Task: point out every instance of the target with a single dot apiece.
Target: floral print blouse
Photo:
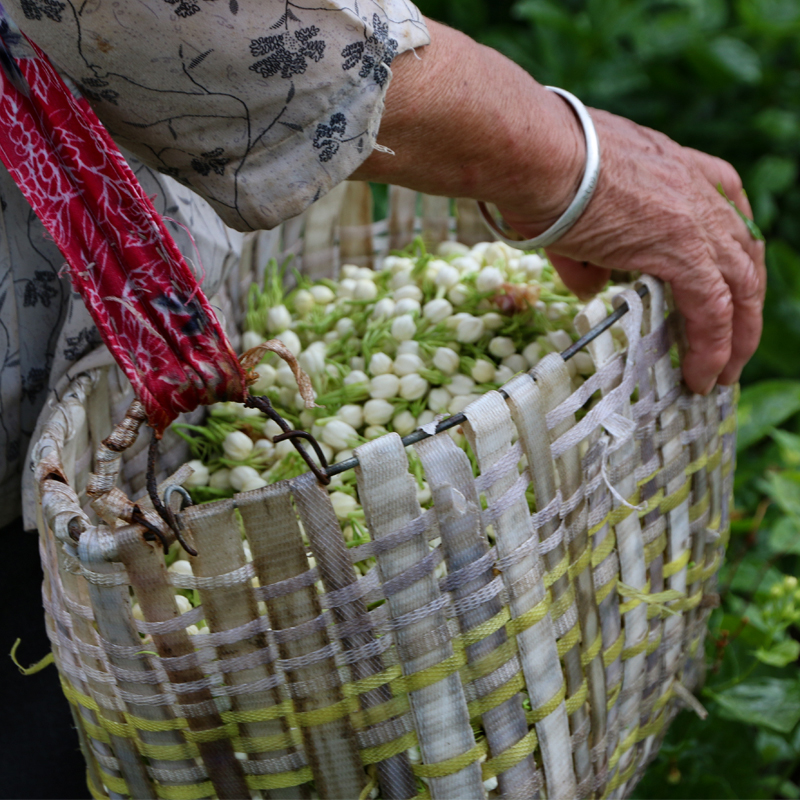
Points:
(259, 107)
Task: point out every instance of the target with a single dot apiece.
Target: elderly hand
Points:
(464, 121)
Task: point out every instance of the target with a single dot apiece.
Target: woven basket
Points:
(551, 655)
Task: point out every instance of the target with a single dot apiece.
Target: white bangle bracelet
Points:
(500, 228)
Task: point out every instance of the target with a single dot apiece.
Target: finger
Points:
(705, 301)
(719, 172)
(747, 284)
(581, 277)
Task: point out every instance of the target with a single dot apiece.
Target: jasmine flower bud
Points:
(322, 294)
(469, 329)
(383, 387)
(448, 249)
(380, 364)
(408, 346)
(303, 302)
(492, 321)
(241, 475)
(339, 435)
(292, 341)
(560, 340)
(251, 339)
(446, 360)
(278, 319)
(438, 400)
(490, 279)
(407, 363)
(221, 479)
(403, 423)
(437, 310)
(365, 290)
(199, 476)
(532, 354)
(409, 292)
(237, 446)
(344, 326)
(352, 414)
(413, 386)
(483, 371)
(266, 378)
(384, 308)
(404, 328)
(374, 431)
(501, 347)
(460, 384)
(447, 276)
(515, 362)
(465, 264)
(343, 504)
(407, 305)
(346, 289)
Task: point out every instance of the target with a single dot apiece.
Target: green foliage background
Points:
(724, 77)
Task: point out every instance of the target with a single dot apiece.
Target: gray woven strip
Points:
(479, 597)
(104, 579)
(405, 579)
(369, 650)
(302, 630)
(413, 528)
(403, 621)
(513, 495)
(508, 463)
(354, 591)
(549, 512)
(271, 766)
(234, 578)
(176, 776)
(386, 731)
(179, 623)
(288, 585)
(455, 580)
(307, 659)
(603, 377)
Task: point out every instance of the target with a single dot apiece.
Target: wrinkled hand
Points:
(657, 209)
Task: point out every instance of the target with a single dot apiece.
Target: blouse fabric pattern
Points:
(259, 107)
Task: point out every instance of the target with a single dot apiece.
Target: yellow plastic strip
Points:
(613, 696)
(603, 550)
(486, 628)
(677, 564)
(279, 711)
(538, 714)
(212, 734)
(156, 725)
(728, 425)
(450, 766)
(430, 675)
(371, 682)
(591, 652)
(613, 652)
(93, 790)
(558, 571)
(696, 465)
(560, 606)
(537, 613)
(569, 640)
(114, 784)
(490, 662)
(655, 548)
(193, 791)
(639, 647)
(510, 757)
(372, 716)
(280, 780)
(580, 563)
(168, 752)
(263, 744)
(575, 701)
(700, 507)
(605, 590)
(372, 755)
(320, 716)
(496, 697)
(95, 731)
(33, 668)
(671, 502)
(652, 503)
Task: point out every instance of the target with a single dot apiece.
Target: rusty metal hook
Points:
(163, 511)
(263, 404)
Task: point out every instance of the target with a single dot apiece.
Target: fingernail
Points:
(708, 387)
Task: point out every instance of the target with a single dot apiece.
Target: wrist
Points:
(465, 121)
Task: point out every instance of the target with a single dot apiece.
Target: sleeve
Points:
(259, 106)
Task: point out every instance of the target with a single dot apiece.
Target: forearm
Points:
(465, 121)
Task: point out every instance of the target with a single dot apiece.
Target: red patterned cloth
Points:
(143, 297)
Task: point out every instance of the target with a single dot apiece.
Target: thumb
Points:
(581, 277)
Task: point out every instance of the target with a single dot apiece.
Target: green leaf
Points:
(736, 58)
(789, 444)
(784, 538)
(772, 703)
(784, 488)
(764, 406)
(781, 654)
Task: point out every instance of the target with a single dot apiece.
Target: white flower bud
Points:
(266, 378)
(184, 606)
(503, 374)
(448, 249)
(446, 360)
(282, 449)
(343, 504)
(365, 290)
(460, 384)
(349, 271)
(447, 276)
(413, 386)
(407, 363)
(322, 294)
(479, 249)
(557, 310)
(383, 387)
(285, 377)
(483, 371)
(271, 429)
(180, 567)
(200, 475)
(402, 278)
(437, 310)
(425, 417)
(251, 339)
(342, 455)
(458, 295)
(397, 263)
(424, 496)
(292, 341)
(263, 450)
(403, 423)
(408, 305)
(515, 362)
(356, 376)
(490, 279)
(278, 319)
(380, 364)
(237, 446)
(327, 451)
(365, 274)
(583, 363)
(243, 412)
(344, 326)
(532, 354)
(532, 266)
(356, 362)
(312, 359)
(409, 292)
(378, 412)
(374, 431)
(252, 484)
(493, 321)
(560, 340)
(469, 329)
(490, 784)
(465, 264)
(352, 414)
(330, 337)
(241, 475)
(137, 612)
(438, 400)
(286, 397)
(303, 301)
(346, 289)
(221, 479)
(404, 328)
(460, 402)
(226, 409)
(502, 346)
(339, 435)
(408, 347)
(384, 308)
